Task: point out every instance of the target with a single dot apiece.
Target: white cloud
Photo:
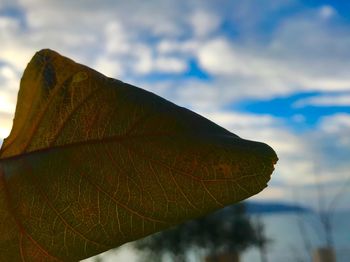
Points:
(327, 11)
(324, 100)
(9, 80)
(170, 64)
(6, 105)
(6, 123)
(271, 193)
(7, 108)
(117, 38)
(284, 63)
(8, 73)
(204, 23)
(336, 124)
(144, 59)
(174, 46)
(271, 70)
(125, 253)
(4, 131)
(222, 57)
(124, 52)
(8, 23)
(109, 67)
(330, 147)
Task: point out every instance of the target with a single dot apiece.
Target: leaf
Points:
(92, 163)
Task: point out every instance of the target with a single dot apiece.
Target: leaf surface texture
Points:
(92, 163)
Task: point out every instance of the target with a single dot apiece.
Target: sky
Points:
(275, 71)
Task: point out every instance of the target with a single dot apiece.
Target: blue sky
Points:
(298, 110)
(276, 72)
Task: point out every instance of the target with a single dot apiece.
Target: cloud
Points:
(337, 127)
(118, 37)
(8, 23)
(327, 11)
(7, 106)
(285, 65)
(109, 67)
(335, 123)
(6, 123)
(126, 253)
(204, 23)
(9, 81)
(170, 64)
(9, 84)
(330, 147)
(341, 99)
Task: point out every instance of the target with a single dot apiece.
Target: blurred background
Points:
(276, 71)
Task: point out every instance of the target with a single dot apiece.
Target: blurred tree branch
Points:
(227, 230)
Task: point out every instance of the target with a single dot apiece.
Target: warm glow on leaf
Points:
(92, 163)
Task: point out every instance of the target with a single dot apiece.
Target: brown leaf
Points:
(92, 163)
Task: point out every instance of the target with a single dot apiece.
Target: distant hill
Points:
(255, 207)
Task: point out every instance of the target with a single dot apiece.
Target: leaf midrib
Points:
(121, 138)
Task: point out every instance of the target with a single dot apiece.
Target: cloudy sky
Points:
(277, 71)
